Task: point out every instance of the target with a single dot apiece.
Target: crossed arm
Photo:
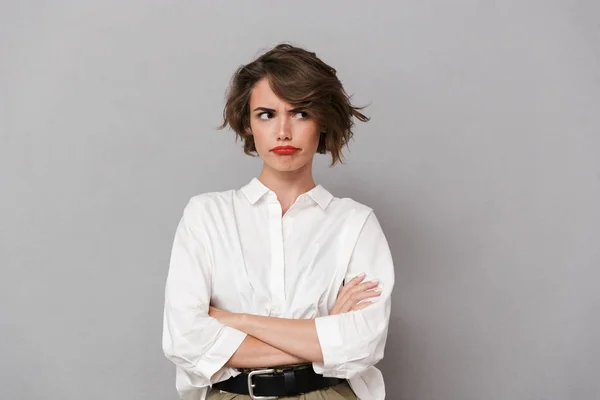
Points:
(275, 341)
(201, 340)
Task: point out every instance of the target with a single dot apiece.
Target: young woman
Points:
(280, 289)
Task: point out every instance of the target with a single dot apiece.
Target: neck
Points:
(287, 185)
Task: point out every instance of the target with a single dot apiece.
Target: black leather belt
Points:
(277, 382)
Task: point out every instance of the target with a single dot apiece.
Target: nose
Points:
(285, 129)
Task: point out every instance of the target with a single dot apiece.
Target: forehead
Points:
(263, 96)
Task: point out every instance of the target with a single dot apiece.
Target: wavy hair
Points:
(300, 78)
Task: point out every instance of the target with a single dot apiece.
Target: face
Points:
(275, 123)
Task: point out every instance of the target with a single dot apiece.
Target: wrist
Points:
(238, 321)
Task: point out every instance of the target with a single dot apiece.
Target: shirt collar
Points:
(255, 189)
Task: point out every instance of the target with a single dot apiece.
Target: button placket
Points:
(288, 226)
(277, 276)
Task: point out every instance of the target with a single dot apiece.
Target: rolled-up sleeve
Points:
(354, 341)
(191, 339)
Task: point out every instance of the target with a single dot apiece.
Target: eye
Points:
(265, 115)
(301, 115)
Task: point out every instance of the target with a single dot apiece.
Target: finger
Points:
(356, 297)
(351, 284)
(366, 286)
(343, 299)
(354, 281)
(342, 306)
(362, 305)
(340, 290)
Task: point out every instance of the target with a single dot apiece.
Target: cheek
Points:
(312, 136)
(259, 132)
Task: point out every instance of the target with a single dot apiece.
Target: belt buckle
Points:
(251, 385)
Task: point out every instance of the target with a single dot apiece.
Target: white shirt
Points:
(234, 250)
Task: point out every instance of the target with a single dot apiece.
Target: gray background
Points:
(482, 161)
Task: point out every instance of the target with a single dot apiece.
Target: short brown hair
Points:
(303, 80)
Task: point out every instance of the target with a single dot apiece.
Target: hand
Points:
(224, 317)
(352, 293)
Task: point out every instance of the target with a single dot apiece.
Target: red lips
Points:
(284, 150)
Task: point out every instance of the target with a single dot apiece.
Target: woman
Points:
(279, 289)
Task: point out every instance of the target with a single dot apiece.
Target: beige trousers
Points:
(338, 392)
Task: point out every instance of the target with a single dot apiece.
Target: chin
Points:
(282, 167)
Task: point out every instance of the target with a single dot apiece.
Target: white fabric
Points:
(235, 250)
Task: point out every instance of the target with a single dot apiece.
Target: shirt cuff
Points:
(330, 339)
(228, 341)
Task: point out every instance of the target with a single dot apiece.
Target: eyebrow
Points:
(293, 110)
